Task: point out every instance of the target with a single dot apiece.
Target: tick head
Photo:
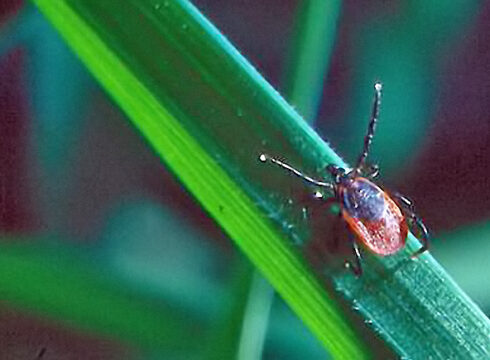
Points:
(339, 174)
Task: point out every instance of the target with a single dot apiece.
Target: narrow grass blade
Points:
(416, 306)
(312, 46)
(254, 328)
(209, 114)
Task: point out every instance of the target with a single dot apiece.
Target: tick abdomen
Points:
(363, 200)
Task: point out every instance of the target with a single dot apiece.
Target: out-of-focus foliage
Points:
(403, 46)
(90, 177)
(464, 252)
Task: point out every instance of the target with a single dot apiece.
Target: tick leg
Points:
(265, 157)
(425, 236)
(415, 220)
(371, 171)
(372, 126)
(355, 266)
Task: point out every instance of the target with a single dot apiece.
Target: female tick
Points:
(380, 221)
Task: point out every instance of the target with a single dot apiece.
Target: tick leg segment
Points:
(372, 126)
(355, 266)
(415, 220)
(370, 171)
(265, 157)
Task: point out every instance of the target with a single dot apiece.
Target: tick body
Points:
(373, 216)
(380, 221)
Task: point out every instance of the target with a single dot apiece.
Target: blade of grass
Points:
(312, 46)
(240, 334)
(224, 338)
(209, 114)
(255, 319)
(192, 68)
(418, 308)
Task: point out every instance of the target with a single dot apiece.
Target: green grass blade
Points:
(209, 115)
(226, 335)
(417, 307)
(312, 46)
(254, 327)
(205, 110)
(242, 329)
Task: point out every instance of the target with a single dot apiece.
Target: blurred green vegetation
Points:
(148, 261)
(464, 252)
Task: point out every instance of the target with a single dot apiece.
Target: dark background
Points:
(72, 166)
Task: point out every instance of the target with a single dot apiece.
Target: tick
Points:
(376, 218)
